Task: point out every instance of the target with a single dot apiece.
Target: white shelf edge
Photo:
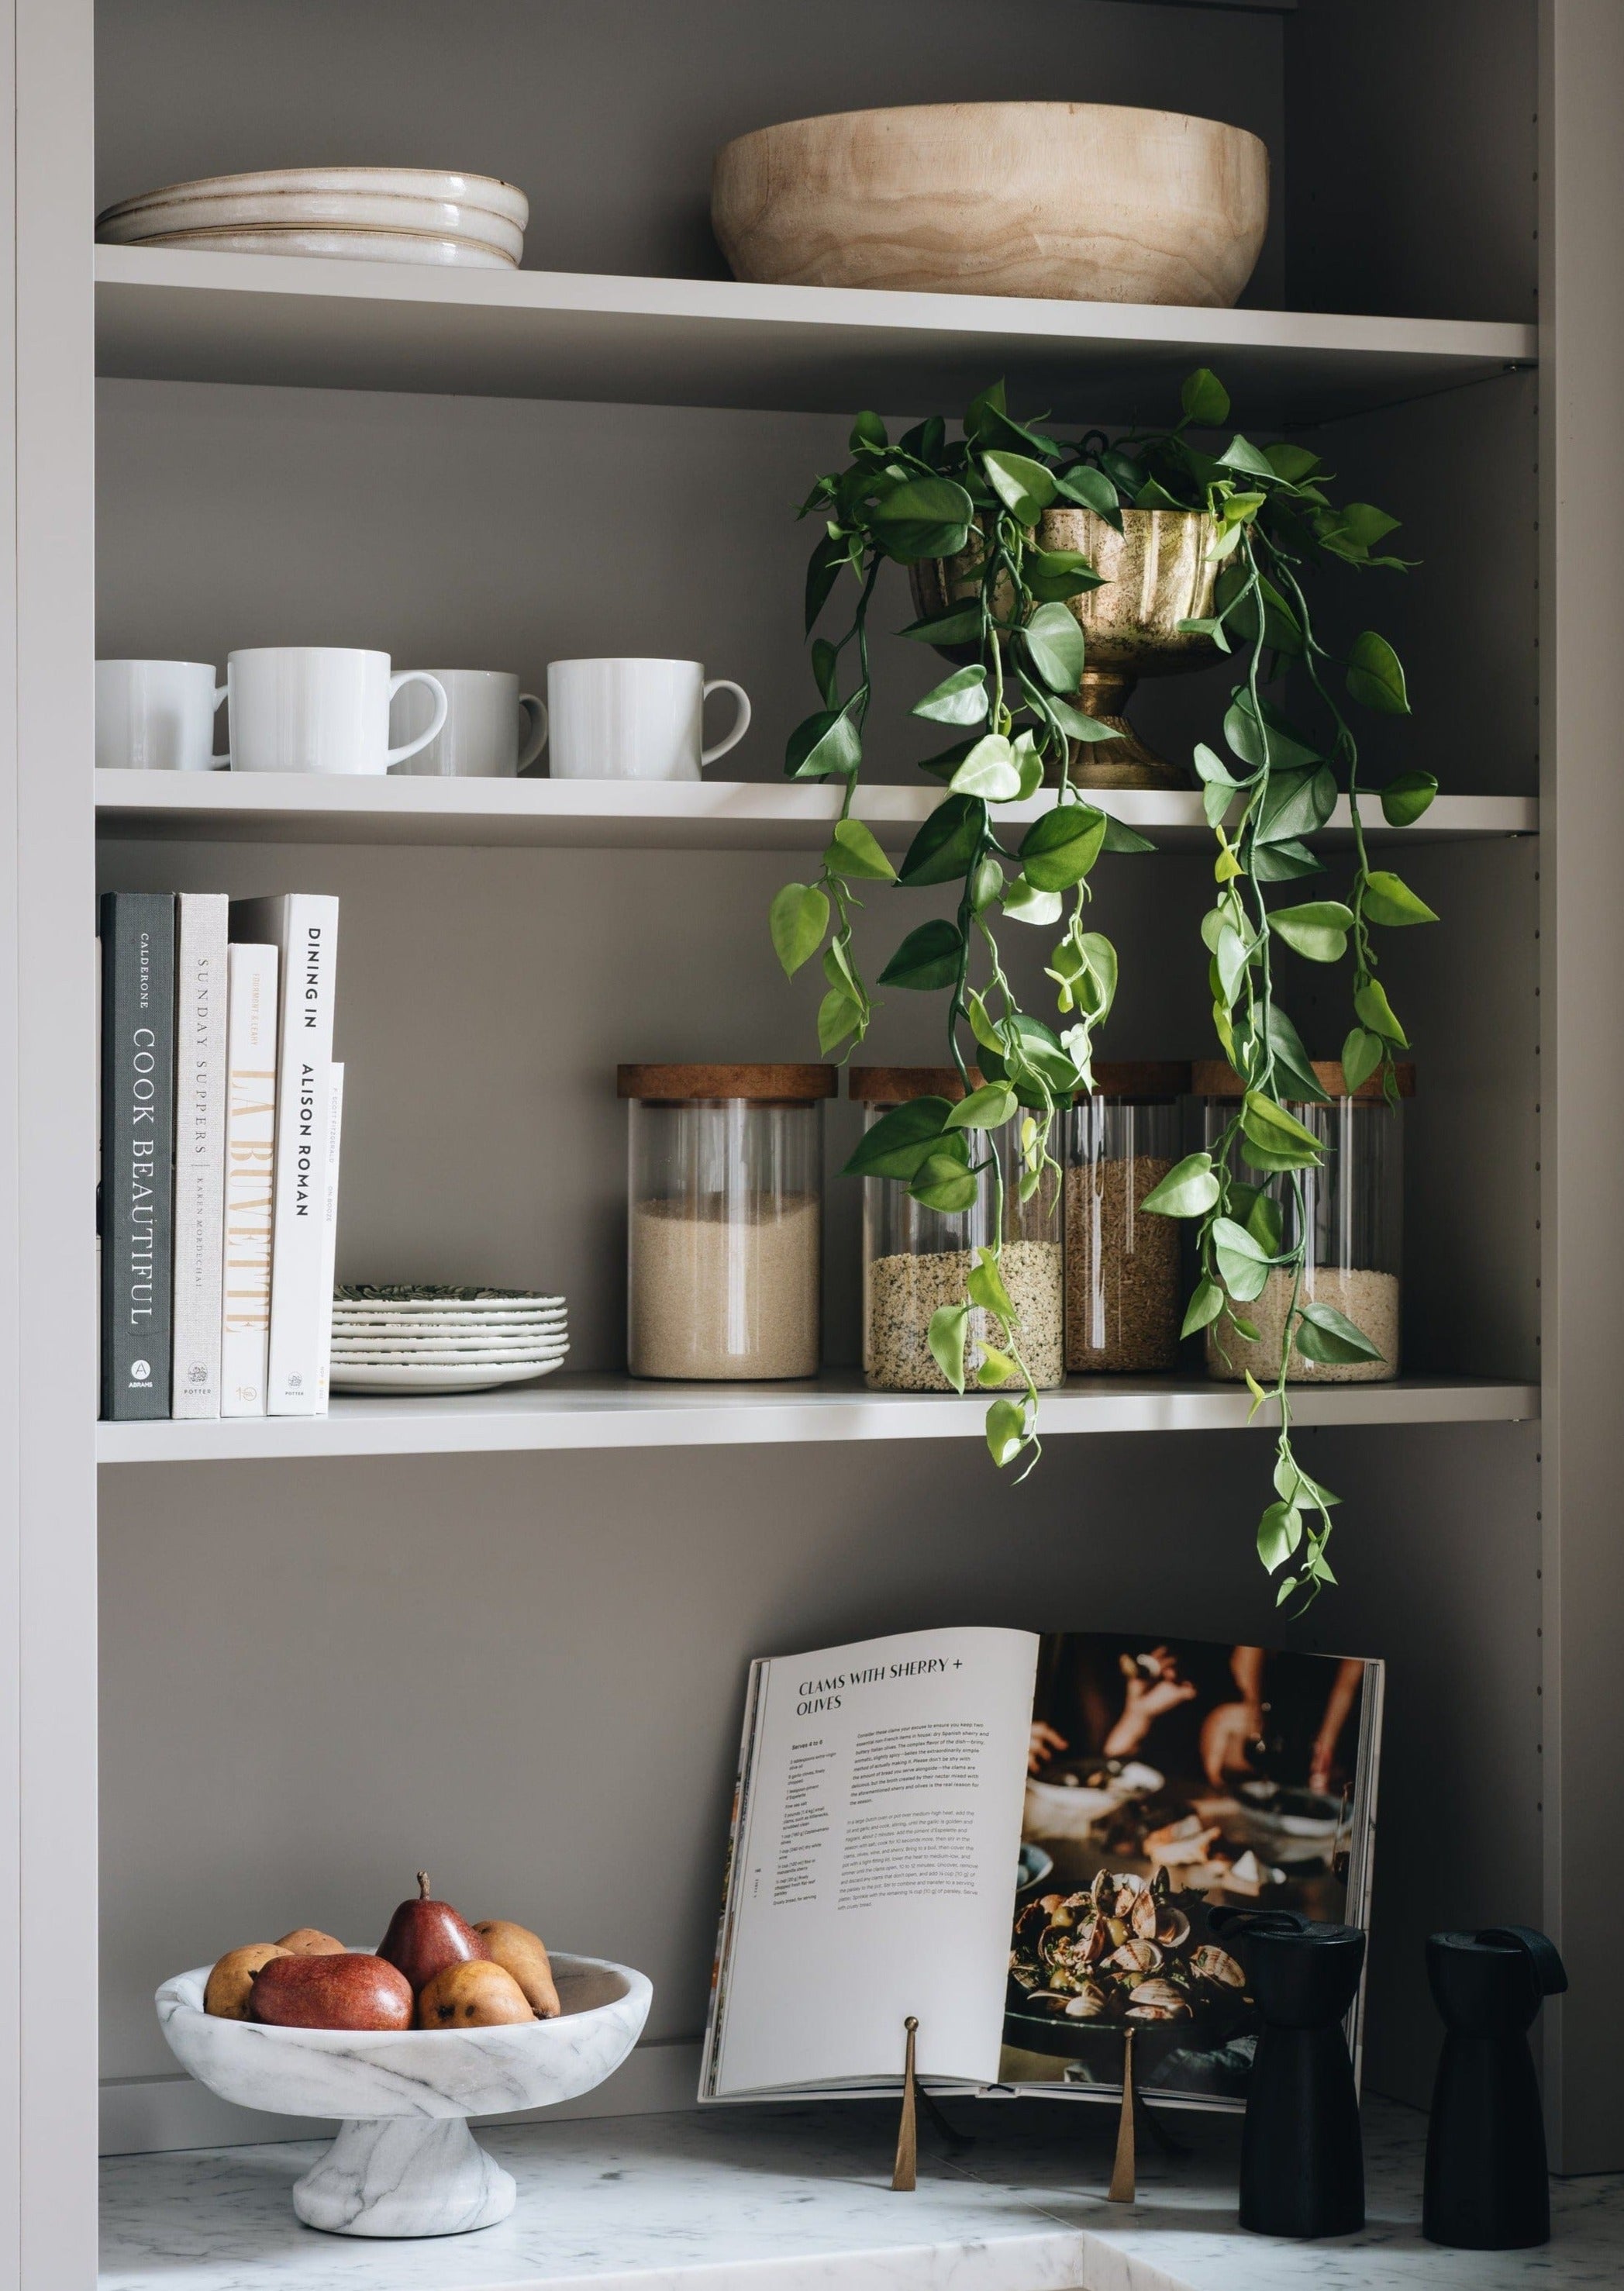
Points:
(655, 815)
(593, 1412)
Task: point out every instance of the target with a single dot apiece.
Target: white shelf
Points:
(170, 314)
(618, 1411)
(716, 816)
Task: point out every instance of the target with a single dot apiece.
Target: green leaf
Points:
(986, 1289)
(989, 771)
(1271, 1028)
(1203, 399)
(1376, 675)
(1406, 798)
(1125, 839)
(1084, 969)
(1023, 903)
(986, 882)
(900, 1143)
(1091, 488)
(1280, 1531)
(1006, 1431)
(1298, 802)
(950, 1328)
(1024, 487)
(1290, 464)
(1054, 645)
(1029, 763)
(853, 853)
(944, 1184)
(1283, 863)
(1264, 1222)
(1366, 525)
(943, 850)
(1317, 930)
(986, 1108)
(961, 698)
(961, 625)
(1278, 1132)
(1244, 1268)
(996, 1368)
(1243, 457)
(1371, 1005)
(1231, 955)
(868, 430)
(827, 743)
(1076, 723)
(1061, 846)
(923, 517)
(798, 919)
(944, 765)
(927, 958)
(1208, 1302)
(1211, 769)
(1244, 728)
(1362, 1053)
(1051, 575)
(1389, 900)
(1189, 1189)
(825, 671)
(1323, 1334)
(837, 1016)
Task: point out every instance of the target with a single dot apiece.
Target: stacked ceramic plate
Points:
(371, 214)
(403, 1339)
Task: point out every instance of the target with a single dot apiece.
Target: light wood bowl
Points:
(1078, 201)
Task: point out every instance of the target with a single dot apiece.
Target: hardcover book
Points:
(329, 1262)
(1021, 1842)
(251, 1157)
(138, 1018)
(200, 1148)
(303, 928)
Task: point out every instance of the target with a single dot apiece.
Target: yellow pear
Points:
(474, 1994)
(231, 1982)
(520, 1952)
(310, 1941)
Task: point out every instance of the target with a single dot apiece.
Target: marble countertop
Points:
(799, 2199)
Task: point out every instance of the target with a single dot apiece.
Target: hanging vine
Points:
(979, 499)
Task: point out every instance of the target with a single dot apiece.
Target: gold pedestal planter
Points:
(1157, 573)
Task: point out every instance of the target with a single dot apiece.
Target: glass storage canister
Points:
(1123, 1299)
(917, 1260)
(725, 1240)
(1353, 1208)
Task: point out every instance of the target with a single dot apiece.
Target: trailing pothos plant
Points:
(979, 498)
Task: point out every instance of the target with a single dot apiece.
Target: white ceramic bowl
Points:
(1093, 202)
(333, 209)
(343, 245)
(404, 2163)
(487, 191)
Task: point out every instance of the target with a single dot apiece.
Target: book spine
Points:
(251, 1148)
(309, 950)
(335, 1134)
(200, 1149)
(138, 943)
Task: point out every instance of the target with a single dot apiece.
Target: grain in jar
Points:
(1352, 1217)
(1123, 1305)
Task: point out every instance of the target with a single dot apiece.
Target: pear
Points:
(425, 1935)
(522, 1953)
(231, 1982)
(473, 1994)
(310, 1941)
(346, 1991)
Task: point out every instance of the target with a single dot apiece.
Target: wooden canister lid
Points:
(1214, 1078)
(1140, 1078)
(894, 1085)
(764, 1085)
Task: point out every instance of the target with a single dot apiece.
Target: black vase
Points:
(1486, 2187)
(1302, 2161)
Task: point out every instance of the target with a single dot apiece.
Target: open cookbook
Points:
(1020, 1841)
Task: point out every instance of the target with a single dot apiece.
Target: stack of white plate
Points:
(414, 1339)
(372, 215)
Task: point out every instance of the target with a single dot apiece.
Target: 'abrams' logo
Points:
(141, 1371)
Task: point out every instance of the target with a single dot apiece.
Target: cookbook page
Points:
(874, 1868)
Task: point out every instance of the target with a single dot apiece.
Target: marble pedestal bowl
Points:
(405, 2162)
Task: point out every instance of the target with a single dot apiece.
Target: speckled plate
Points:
(395, 1377)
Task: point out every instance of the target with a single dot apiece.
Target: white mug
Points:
(319, 708)
(480, 738)
(634, 719)
(156, 716)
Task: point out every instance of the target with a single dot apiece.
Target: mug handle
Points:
(740, 724)
(418, 676)
(537, 710)
(221, 763)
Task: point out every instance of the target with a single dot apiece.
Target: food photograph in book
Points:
(1167, 1778)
